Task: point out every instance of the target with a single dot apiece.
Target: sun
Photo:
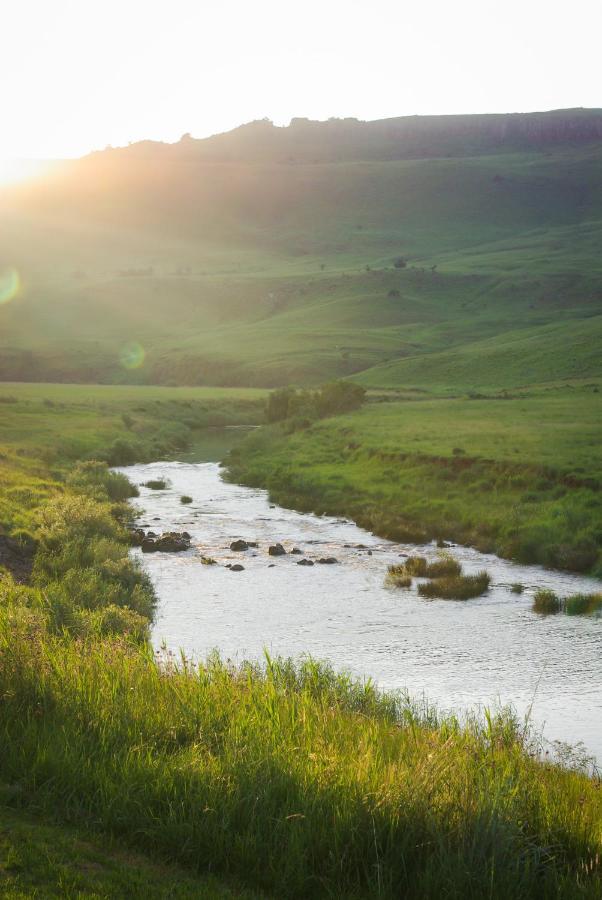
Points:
(15, 170)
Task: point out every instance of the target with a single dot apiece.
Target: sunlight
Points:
(15, 170)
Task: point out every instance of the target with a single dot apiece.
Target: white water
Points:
(491, 651)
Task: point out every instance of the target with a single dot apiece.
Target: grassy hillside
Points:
(166, 265)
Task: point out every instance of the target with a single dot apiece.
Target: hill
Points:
(252, 258)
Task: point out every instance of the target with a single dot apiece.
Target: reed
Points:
(546, 603)
(456, 587)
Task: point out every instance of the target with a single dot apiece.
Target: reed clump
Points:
(456, 587)
(583, 605)
(415, 566)
(156, 484)
(547, 603)
(397, 577)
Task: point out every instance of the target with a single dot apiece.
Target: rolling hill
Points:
(431, 251)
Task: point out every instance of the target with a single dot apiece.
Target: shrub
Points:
(546, 603)
(456, 587)
(123, 453)
(185, 499)
(94, 478)
(516, 588)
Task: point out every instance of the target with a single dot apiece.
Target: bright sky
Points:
(76, 75)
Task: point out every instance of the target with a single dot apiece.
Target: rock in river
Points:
(276, 550)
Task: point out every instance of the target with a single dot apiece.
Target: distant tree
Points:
(277, 406)
(339, 397)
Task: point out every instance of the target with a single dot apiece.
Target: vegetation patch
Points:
(456, 587)
(546, 603)
(397, 577)
(156, 484)
(185, 499)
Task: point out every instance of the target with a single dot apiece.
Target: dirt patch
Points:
(17, 559)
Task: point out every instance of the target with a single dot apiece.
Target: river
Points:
(490, 651)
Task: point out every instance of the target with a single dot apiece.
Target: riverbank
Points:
(517, 475)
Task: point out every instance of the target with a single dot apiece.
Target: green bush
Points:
(94, 478)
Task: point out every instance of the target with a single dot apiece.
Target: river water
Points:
(490, 651)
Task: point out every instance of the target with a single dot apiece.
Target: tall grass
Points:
(304, 782)
(456, 587)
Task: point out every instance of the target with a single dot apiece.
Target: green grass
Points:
(42, 859)
(299, 781)
(455, 587)
(278, 274)
(519, 475)
(45, 428)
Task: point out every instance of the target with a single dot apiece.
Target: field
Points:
(166, 270)
(518, 474)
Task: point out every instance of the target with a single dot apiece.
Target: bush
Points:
(456, 587)
(330, 400)
(185, 499)
(94, 478)
(123, 453)
(516, 588)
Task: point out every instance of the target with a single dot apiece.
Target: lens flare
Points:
(9, 285)
(132, 355)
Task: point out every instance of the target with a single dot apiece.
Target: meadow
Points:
(185, 271)
(518, 473)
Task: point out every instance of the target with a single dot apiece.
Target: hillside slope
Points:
(220, 262)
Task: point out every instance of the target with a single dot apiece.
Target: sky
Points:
(78, 75)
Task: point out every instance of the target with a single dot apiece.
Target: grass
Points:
(397, 577)
(40, 858)
(548, 603)
(517, 475)
(46, 429)
(282, 273)
(456, 587)
(280, 774)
